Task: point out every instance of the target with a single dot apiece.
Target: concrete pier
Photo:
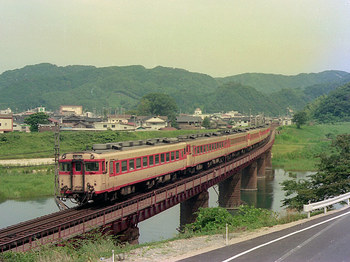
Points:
(130, 235)
(230, 191)
(190, 206)
(261, 166)
(250, 177)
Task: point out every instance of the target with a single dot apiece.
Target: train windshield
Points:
(65, 166)
(92, 166)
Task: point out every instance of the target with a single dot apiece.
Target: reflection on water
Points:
(163, 226)
(270, 194)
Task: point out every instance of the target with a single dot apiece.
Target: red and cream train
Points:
(113, 170)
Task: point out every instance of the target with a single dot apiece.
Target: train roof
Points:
(139, 144)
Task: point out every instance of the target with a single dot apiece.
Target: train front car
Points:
(80, 176)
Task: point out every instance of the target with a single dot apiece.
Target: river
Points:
(163, 226)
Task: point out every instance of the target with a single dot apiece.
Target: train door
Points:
(78, 176)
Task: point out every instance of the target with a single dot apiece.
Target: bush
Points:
(214, 220)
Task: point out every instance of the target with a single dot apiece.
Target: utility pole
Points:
(57, 197)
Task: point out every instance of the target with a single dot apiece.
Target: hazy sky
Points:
(219, 38)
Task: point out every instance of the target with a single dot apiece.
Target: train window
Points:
(124, 166)
(177, 154)
(92, 166)
(162, 158)
(78, 167)
(167, 157)
(65, 166)
(172, 156)
(151, 160)
(138, 162)
(117, 170)
(111, 168)
(182, 153)
(131, 164)
(156, 159)
(145, 161)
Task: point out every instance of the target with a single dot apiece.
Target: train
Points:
(113, 171)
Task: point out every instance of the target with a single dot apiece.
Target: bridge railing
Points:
(325, 203)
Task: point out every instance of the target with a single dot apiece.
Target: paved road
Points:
(27, 162)
(326, 239)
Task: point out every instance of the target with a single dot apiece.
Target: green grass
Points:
(297, 149)
(26, 183)
(34, 145)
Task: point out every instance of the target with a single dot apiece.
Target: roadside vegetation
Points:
(332, 178)
(209, 221)
(298, 149)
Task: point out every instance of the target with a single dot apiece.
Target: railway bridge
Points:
(122, 218)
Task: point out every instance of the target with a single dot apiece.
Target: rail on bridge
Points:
(126, 215)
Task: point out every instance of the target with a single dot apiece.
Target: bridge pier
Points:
(190, 206)
(250, 177)
(230, 191)
(261, 166)
(130, 235)
(268, 163)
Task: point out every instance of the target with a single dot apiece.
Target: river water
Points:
(163, 226)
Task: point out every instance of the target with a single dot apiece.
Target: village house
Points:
(121, 119)
(189, 122)
(71, 110)
(114, 126)
(154, 123)
(6, 123)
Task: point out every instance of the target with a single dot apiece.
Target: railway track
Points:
(31, 227)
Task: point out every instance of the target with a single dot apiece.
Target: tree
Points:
(300, 118)
(157, 104)
(206, 122)
(332, 178)
(35, 119)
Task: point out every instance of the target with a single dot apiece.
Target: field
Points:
(297, 149)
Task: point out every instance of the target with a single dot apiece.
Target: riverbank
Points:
(26, 182)
(16, 145)
(297, 149)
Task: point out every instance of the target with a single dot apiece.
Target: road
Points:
(324, 239)
(27, 162)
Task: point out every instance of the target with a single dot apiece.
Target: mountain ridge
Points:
(123, 86)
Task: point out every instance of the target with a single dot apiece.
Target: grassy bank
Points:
(35, 145)
(26, 183)
(297, 149)
(210, 221)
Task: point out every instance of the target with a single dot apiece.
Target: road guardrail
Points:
(325, 203)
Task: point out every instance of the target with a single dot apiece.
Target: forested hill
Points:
(269, 83)
(116, 87)
(332, 108)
